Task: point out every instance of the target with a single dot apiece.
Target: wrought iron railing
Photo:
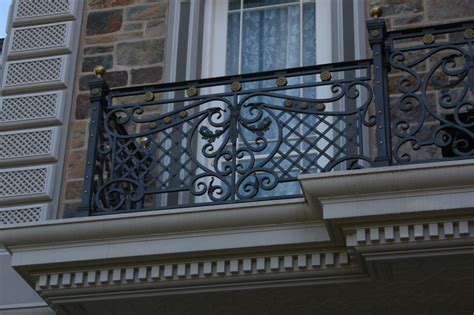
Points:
(248, 137)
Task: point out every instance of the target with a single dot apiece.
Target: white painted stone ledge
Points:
(407, 189)
(227, 219)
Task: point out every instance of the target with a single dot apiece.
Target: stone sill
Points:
(392, 190)
(346, 195)
(169, 232)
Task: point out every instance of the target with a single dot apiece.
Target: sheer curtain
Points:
(267, 35)
(271, 37)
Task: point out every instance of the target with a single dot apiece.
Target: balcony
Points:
(249, 137)
(378, 148)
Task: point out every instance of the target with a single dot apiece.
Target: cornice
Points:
(394, 178)
(428, 232)
(197, 272)
(165, 222)
(390, 191)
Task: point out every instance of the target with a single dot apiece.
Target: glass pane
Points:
(234, 4)
(309, 34)
(271, 39)
(233, 36)
(261, 3)
(309, 45)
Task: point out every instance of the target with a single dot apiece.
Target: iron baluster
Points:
(248, 137)
(98, 100)
(377, 34)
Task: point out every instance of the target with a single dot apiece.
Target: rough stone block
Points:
(69, 210)
(103, 4)
(79, 129)
(104, 22)
(113, 38)
(75, 168)
(74, 190)
(155, 28)
(147, 75)
(89, 63)
(146, 12)
(114, 79)
(140, 53)
(452, 9)
(98, 50)
(407, 20)
(132, 27)
(82, 106)
(395, 7)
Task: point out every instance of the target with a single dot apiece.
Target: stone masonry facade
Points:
(411, 13)
(128, 38)
(403, 14)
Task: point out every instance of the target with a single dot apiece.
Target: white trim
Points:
(393, 190)
(321, 264)
(35, 122)
(360, 30)
(193, 40)
(215, 31)
(57, 83)
(48, 51)
(324, 53)
(269, 213)
(409, 232)
(45, 195)
(66, 107)
(3, 55)
(172, 40)
(44, 209)
(49, 18)
(8, 307)
(50, 156)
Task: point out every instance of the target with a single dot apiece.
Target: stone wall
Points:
(128, 38)
(412, 13)
(403, 14)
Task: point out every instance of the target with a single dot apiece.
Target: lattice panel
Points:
(21, 215)
(34, 143)
(36, 71)
(36, 8)
(23, 182)
(40, 106)
(43, 37)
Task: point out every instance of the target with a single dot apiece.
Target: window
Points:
(214, 38)
(244, 36)
(210, 38)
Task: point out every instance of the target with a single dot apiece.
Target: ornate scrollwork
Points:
(438, 97)
(118, 195)
(259, 179)
(204, 184)
(230, 146)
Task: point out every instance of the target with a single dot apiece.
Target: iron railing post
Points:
(377, 35)
(98, 100)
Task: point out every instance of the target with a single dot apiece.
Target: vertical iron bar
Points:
(377, 34)
(98, 100)
(234, 120)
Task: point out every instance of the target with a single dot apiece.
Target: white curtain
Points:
(271, 38)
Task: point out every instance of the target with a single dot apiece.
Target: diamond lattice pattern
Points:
(34, 71)
(24, 215)
(28, 107)
(25, 144)
(23, 182)
(34, 8)
(39, 37)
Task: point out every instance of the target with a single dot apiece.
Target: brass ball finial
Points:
(376, 11)
(99, 71)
